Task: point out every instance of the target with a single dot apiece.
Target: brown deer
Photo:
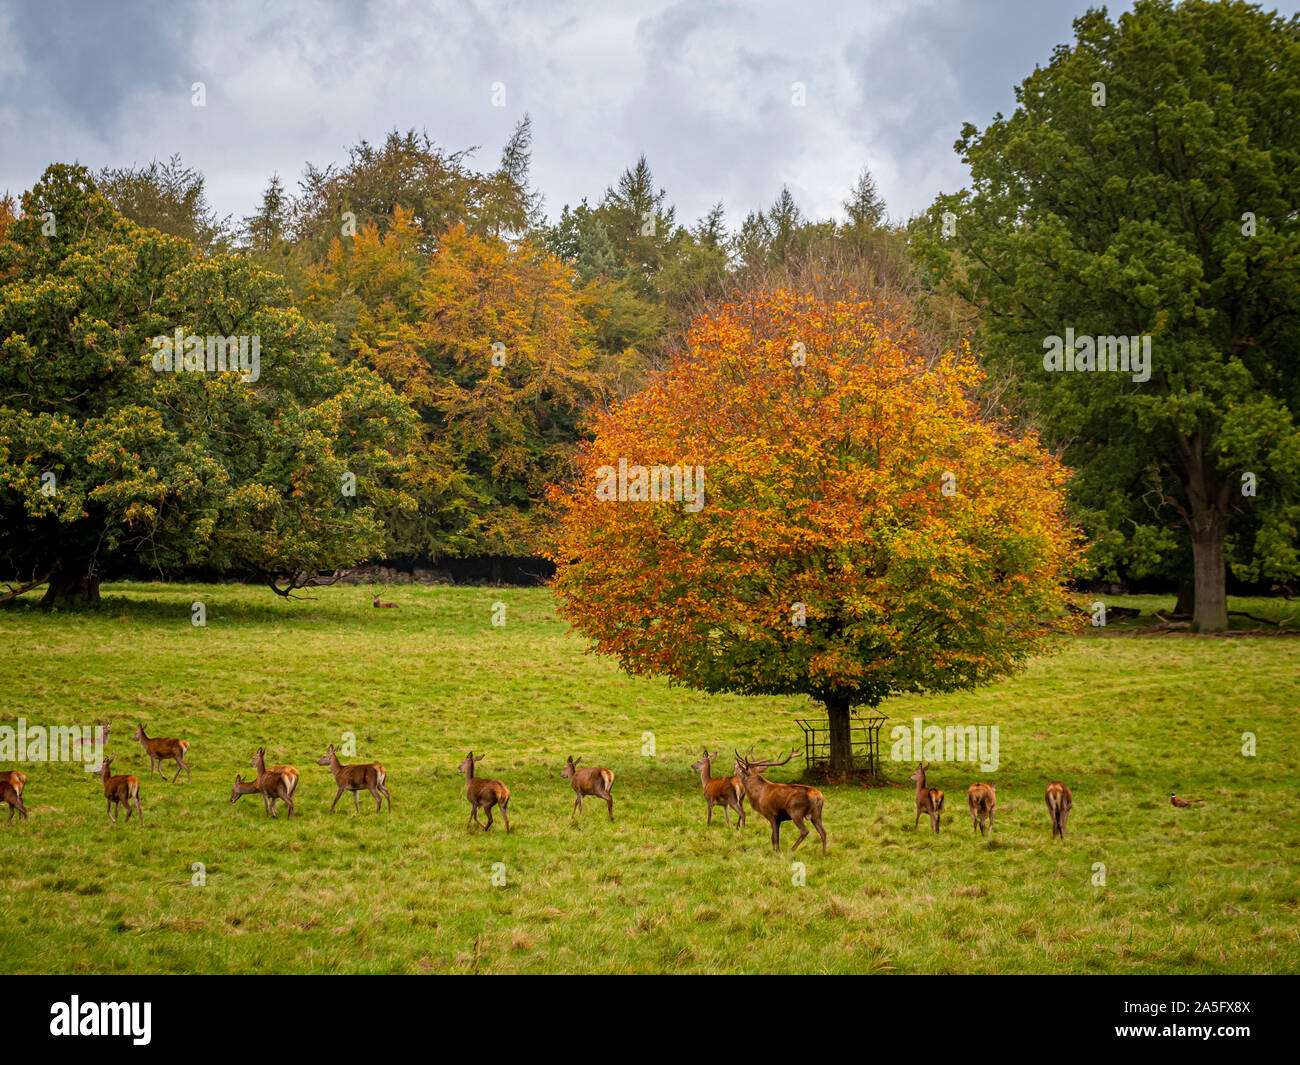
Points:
(591, 781)
(355, 777)
(1059, 801)
(982, 802)
(157, 750)
(121, 790)
(781, 802)
(724, 791)
(387, 606)
(928, 800)
(278, 782)
(80, 743)
(483, 793)
(12, 782)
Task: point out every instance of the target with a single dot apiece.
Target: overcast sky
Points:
(704, 90)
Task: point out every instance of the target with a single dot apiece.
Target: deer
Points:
(781, 802)
(80, 742)
(483, 793)
(590, 781)
(1059, 801)
(726, 791)
(982, 801)
(12, 782)
(269, 782)
(123, 790)
(355, 777)
(385, 606)
(928, 800)
(157, 750)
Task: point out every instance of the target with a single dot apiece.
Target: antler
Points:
(773, 765)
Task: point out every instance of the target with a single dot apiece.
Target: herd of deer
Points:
(798, 803)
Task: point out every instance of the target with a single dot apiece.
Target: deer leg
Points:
(918, 819)
(288, 801)
(127, 804)
(179, 766)
(489, 821)
(388, 797)
(379, 801)
(336, 799)
(473, 816)
(817, 824)
(609, 801)
(504, 816)
(803, 831)
(709, 819)
(726, 812)
(139, 810)
(109, 810)
(356, 803)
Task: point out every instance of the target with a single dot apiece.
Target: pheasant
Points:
(1182, 803)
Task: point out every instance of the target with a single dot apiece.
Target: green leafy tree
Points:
(1148, 184)
(108, 456)
(169, 197)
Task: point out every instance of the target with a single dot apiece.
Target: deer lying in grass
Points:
(157, 750)
(483, 793)
(1059, 801)
(355, 777)
(928, 800)
(386, 606)
(12, 783)
(591, 781)
(781, 802)
(726, 791)
(121, 790)
(277, 783)
(982, 802)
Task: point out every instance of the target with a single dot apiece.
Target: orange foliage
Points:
(823, 486)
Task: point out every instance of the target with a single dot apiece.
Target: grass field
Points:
(1122, 720)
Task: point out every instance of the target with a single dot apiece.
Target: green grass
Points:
(1123, 720)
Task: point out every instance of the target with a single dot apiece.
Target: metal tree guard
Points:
(864, 742)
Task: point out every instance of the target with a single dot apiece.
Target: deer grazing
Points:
(121, 790)
(928, 800)
(355, 777)
(12, 782)
(277, 783)
(726, 791)
(157, 750)
(982, 801)
(483, 793)
(1059, 801)
(386, 606)
(591, 781)
(781, 802)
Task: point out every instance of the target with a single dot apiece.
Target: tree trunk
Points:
(1186, 603)
(1210, 609)
(72, 584)
(837, 712)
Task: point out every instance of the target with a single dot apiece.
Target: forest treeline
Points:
(436, 342)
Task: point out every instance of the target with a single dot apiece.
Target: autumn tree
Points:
(1148, 185)
(275, 464)
(843, 523)
(487, 340)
